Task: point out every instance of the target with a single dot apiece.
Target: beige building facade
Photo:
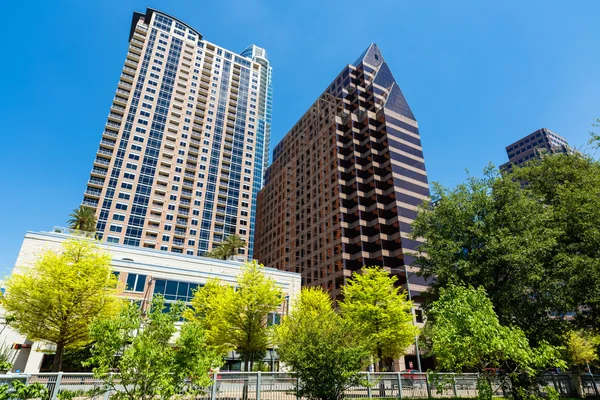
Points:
(184, 149)
(144, 273)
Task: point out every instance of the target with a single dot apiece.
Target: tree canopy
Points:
(568, 186)
(380, 312)
(464, 334)
(530, 238)
(83, 219)
(145, 360)
(227, 248)
(321, 347)
(57, 298)
(236, 318)
(581, 348)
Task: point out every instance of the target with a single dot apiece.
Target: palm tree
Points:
(232, 243)
(227, 248)
(217, 253)
(83, 219)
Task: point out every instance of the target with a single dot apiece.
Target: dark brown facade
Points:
(534, 146)
(345, 183)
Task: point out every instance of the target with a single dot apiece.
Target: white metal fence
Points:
(282, 386)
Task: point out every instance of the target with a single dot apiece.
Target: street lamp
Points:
(414, 319)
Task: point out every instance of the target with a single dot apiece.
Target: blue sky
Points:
(477, 74)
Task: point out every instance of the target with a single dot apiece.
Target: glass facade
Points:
(175, 290)
(135, 283)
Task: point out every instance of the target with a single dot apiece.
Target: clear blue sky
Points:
(477, 74)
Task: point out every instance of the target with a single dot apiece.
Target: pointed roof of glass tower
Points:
(383, 77)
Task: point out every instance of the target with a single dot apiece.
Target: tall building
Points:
(345, 183)
(186, 143)
(534, 145)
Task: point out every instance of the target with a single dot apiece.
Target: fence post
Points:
(258, 386)
(427, 385)
(56, 385)
(370, 395)
(399, 386)
(504, 386)
(297, 387)
(213, 394)
(594, 383)
(454, 385)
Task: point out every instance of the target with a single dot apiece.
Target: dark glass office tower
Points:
(345, 183)
(533, 146)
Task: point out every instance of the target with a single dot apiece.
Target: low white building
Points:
(144, 272)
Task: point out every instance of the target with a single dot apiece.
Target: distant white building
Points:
(144, 273)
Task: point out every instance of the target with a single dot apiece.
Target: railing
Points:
(128, 68)
(282, 386)
(96, 181)
(569, 385)
(68, 231)
(99, 171)
(108, 142)
(111, 133)
(93, 192)
(590, 385)
(102, 161)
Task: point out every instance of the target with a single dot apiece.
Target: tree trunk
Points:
(246, 366)
(381, 383)
(58, 357)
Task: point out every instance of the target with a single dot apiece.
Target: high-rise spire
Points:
(346, 182)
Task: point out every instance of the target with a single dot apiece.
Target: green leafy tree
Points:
(83, 219)
(57, 298)
(530, 238)
(380, 312)
(568, 186)
(321, 348)
(581, 348)
(218, 253)
(211, 307)
(228, 248)
(144, 362)
(489, 232)
(18, 390)
(236, 319)
(465, 334)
